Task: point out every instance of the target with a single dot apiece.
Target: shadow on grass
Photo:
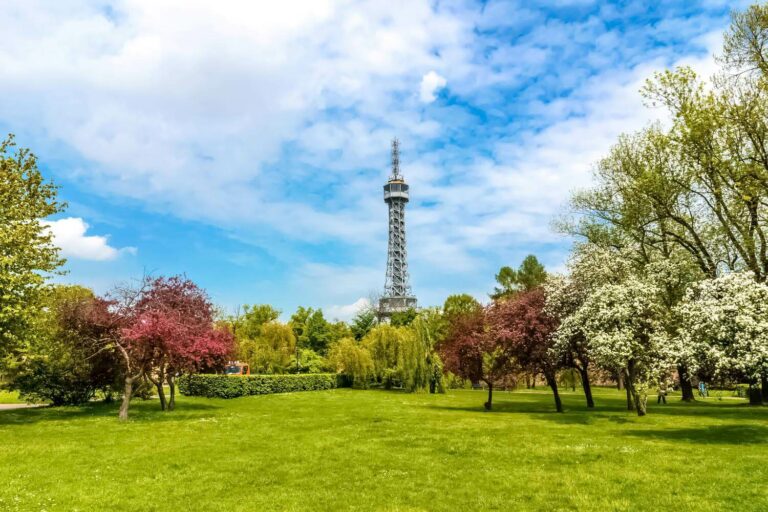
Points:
(139, 412)
(711, 434)
(612, 409)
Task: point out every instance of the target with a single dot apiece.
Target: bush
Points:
(42, 382)
(233, 386)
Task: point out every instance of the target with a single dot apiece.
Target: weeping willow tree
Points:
(430, 327)
(399, 357)
(348, 357)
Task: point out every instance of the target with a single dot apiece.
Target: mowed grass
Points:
(375, 450)
(10, 397)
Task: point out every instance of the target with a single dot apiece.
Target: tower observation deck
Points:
(397, 289)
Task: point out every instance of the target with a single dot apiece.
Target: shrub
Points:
(233, 386)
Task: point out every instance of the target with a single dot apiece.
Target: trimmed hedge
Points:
(233, 386)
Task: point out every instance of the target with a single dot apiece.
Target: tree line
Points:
(668, 274)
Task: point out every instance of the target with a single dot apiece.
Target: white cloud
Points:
(273, 119)
(347, 311)
(430, 84)
(69, 235)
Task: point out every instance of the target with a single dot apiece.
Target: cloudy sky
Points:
(245, 143)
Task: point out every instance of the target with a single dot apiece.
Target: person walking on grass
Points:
(702, 389)
(662, 393)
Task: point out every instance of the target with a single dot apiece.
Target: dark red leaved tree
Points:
(472, 351)
(525, 331)
(169, 329)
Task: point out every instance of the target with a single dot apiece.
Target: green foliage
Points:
(311, 329)
(354, 361)
(430, 328)
(254, 317)
(310, 362)
(338, 331)
(271, 350)
(363, 322)
(27, 252)
(402, 318)
(741, 390)
(399, 357)
(529, 275)
(61, 365)
(460, 304)
(233, 386)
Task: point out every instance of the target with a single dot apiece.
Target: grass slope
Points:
(373, 450)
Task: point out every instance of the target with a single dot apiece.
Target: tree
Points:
(62, 363)
(564, 297)
(337, 331)
(726, 328)
(270, 350)
(460, 304)
(249, 324)
(525, 330)
(472, 351)
(311, 329)
(351, 359)
(399, 357)
(363, 322)
(403, 318)
(698, 184)
(169, 329)
(528, 276)
(430, 327)
(622, 328)
(27, 252)
(590, 267)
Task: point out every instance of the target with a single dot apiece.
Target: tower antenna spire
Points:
(396, 158)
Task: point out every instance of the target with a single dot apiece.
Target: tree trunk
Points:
(584, 372)
(552, 381)
(619, 382)
(127, 394)
(755, 394)
(630, 404)
(159, 386)
(527, 381)
(640, 400)
(765, 388)
(489, 403)
(686, 387)
(172, 385)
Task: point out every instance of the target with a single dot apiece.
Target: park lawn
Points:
(346, 449)
(10, 397)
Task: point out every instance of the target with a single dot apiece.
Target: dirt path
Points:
(8, 407)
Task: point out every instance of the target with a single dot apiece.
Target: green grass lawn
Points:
(376, 450)
(10, 397)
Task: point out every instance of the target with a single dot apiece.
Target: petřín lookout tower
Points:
(397, 290)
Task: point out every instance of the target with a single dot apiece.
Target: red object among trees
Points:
(168, 328)
(524, 329)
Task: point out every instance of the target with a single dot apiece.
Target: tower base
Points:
(389, 305)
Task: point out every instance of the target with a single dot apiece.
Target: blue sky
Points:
(245, 144)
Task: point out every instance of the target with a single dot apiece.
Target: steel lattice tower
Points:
(397, 289)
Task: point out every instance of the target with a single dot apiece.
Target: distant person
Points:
(702, 389)
(662, 393)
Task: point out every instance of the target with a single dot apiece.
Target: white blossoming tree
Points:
(622, 327)
(590, 268)
(725, 328)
